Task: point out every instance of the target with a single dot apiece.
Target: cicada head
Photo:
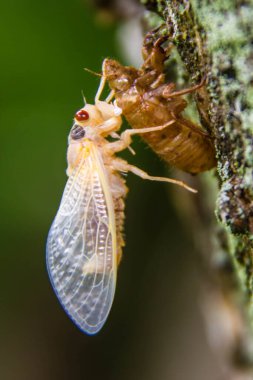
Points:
(85, 122)
(89, 115)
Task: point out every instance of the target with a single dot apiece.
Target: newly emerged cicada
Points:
(147, 100)
(85, 241)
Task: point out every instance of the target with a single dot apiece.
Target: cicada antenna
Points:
(84, 99)
(93, 72)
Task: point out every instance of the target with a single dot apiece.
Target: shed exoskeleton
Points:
(147, 100)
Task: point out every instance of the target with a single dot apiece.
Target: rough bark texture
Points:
(215, 38)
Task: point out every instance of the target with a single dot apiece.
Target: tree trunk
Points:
(215, 38)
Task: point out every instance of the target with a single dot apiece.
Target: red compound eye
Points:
(82, 115)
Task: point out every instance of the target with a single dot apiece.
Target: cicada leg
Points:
(110, 96)
(123, 166)
(101, 89)
(140, 173)
(125, 141)
(125, 137)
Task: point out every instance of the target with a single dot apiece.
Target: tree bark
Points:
(215, 39)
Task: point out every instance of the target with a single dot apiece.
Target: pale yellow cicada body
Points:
(85, 241)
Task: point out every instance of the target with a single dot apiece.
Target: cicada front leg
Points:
(125, 141)
(125, 138)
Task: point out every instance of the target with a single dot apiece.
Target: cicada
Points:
(84, 245)
(147, 100)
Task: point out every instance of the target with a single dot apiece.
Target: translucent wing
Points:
(81, 248)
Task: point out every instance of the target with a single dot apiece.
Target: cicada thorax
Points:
(144, 97)
(95, 116)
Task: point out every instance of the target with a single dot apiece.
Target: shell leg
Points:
(168, 94)
(153, 53)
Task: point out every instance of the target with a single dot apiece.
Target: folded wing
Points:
(81, 252)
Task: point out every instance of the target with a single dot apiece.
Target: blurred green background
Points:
(155, 329)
